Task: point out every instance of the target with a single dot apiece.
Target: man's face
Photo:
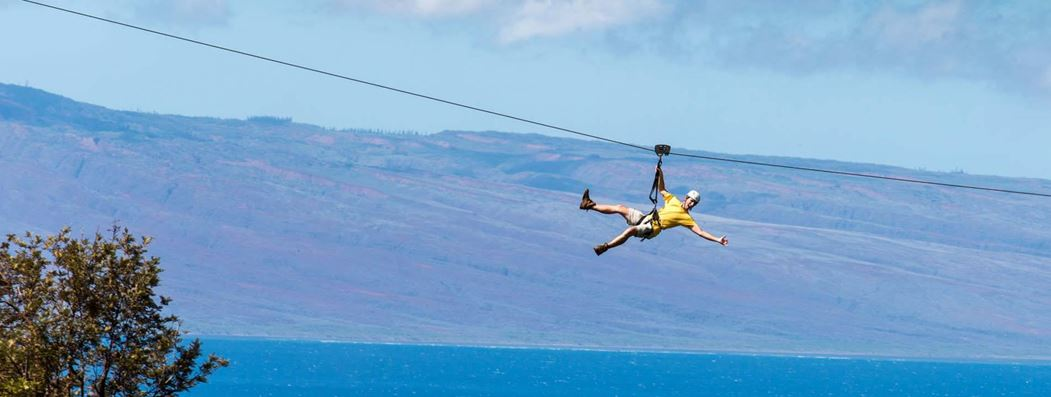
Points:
(688, 203)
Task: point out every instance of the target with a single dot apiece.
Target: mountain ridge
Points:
(283, 229)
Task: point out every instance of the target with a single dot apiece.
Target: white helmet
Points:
(695, 195)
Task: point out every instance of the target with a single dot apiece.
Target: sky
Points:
(938, 85)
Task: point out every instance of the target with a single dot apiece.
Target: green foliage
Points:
(79, 317)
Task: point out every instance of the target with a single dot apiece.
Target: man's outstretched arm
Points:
(660, 182)
(708, 236)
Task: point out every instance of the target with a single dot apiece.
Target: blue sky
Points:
(940, 85)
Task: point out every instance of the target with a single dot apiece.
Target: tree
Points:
(79, 317)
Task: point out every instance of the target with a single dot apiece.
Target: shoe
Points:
(599, 249)
(585, 202)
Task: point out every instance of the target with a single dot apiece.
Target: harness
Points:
(653, 218)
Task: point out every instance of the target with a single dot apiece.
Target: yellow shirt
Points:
(672, 215)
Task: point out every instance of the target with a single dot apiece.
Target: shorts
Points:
(636, 218)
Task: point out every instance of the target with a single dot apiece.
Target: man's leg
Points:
(620, 239)
(612, 209)
(587, 204)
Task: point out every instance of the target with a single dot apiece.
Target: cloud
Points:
(191, 13)
(418, 8)
(518, 20)
(1004, 44)
(538, 18)
(915, 28)
(1045, 81)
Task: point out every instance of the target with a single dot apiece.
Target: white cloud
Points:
(928, 24)
(194, 13)
(420, 8)
(1000, 42)
(540, 18)
(520, 20)
(1045, 81)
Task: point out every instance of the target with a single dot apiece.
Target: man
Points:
(674, 213)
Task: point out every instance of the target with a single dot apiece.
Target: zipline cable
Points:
(524, 120)
(846, 173)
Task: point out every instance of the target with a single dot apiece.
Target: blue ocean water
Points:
(302, 368)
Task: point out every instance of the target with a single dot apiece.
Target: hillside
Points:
(268, 227)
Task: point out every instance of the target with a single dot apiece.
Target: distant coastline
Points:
(1042, 361)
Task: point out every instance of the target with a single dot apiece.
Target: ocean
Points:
(311, 368)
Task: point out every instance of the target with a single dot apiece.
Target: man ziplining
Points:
(674, 213)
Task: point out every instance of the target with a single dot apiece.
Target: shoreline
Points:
(992, 360)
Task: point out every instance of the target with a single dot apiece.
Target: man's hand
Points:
(723, 241)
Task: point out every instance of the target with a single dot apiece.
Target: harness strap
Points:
(656, 178)
(654, 217)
